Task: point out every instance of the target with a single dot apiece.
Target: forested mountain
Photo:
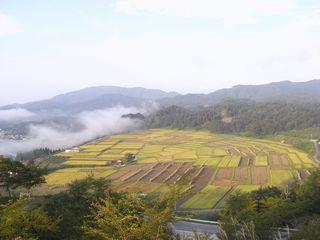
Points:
(95, 98)
(285, 91)
(259, 109)
(240, 116)
(106, 96)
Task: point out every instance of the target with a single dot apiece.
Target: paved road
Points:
(317, 152)
(186, 229)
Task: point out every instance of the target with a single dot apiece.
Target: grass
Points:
(261, 161)
(219, 152)
(206, 198)
(225, 161)
(294, 158)
(204, 151)
(280, 177)
(213, 161)
(234, 162)
(247, 188)
(63, 176)
(98, 163)
(187, 155)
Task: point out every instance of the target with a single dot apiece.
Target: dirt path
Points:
(317, 151)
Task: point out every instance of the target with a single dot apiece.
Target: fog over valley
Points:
(91, 125)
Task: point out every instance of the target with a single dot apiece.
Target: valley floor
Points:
(206, 167)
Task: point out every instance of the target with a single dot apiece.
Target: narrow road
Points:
(186, 229)
(317, 150)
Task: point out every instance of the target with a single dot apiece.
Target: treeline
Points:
(269, 213)
(234, 116)
(35, 154)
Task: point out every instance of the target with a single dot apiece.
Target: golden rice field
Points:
(210, 166)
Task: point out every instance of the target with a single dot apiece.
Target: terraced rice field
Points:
(210, 165)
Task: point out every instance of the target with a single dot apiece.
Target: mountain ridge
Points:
(108, 96)
(287, 91)
(97, 97)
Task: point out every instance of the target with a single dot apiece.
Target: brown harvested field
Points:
(127, 170)
(133, 177)
(279, 161)
(285, 160)
(182, 170)
(241, 175)
(303, 174)
(154, 172)
(224, 177)
(259, 175)
(193, 174)
(163, 176)
(203, 178)
(224, 173)
(136, 186)
(118, 175)
(139, 171)
(122, 173)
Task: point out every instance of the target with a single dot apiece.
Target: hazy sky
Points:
(50, 47)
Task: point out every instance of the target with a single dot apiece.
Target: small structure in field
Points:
(72, 150)
(119, 163)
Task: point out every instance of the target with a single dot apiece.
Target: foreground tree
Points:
(269, 209)
(74, 204)
(130, 218)
(20, 220)
(15, 174)
(309, 229)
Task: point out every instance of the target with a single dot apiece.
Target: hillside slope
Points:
(95, 98)
(293, 92)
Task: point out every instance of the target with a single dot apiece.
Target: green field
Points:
(207, 164)
(206, 198)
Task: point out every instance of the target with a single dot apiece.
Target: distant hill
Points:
(285, 91)
(95, 98)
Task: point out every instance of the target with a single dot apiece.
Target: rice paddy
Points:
(210, 165)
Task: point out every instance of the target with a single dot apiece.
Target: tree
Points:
(19, 220)
(309, 193)
(73, 205)
(130, 218)
(15, 174)
(129, 157)
(309, 229)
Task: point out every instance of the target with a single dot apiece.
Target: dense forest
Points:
(234, 116)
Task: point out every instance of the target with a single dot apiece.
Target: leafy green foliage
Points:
(73, 205)
(130, 217)
(129, 157)
(309, 229)
(269, 208)
(19, 220)
(240, 116)
(34, 154)
(15, 174)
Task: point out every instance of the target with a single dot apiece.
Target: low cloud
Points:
(228, 11)
(96, 124)
(15, 114)
(8, 26)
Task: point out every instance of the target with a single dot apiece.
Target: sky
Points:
(189, 46)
